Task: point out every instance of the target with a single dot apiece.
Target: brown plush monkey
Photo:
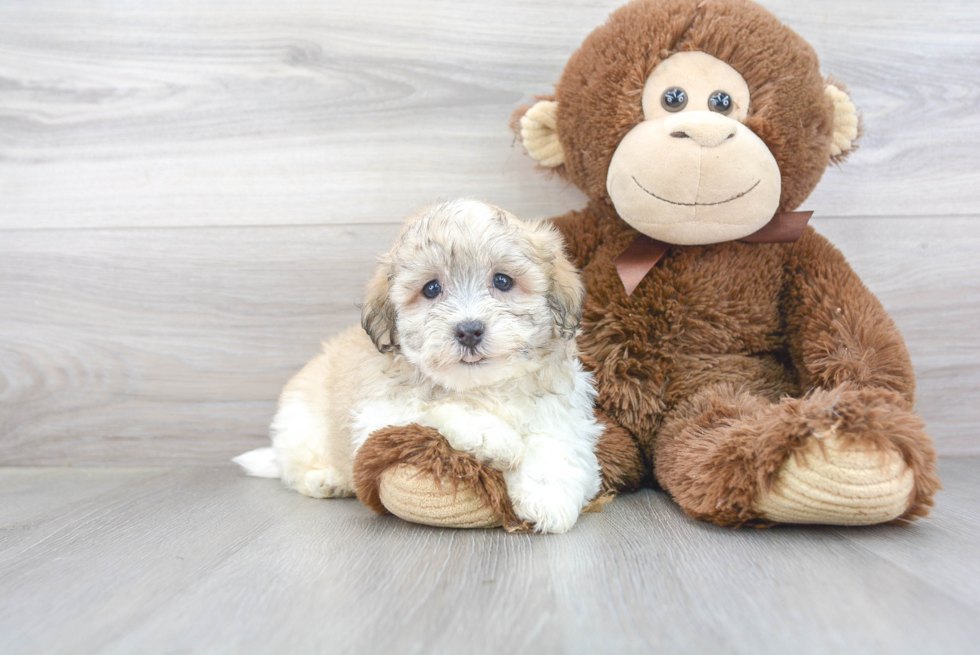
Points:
(740, 362)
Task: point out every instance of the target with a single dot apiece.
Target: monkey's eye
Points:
(721, 102)
(502, 282)
(432, 289)
(674, 99)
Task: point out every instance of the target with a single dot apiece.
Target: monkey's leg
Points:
(845, 456)
(619, 457)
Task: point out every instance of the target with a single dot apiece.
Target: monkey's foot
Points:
(842, 456)
(832, 482)
(412, 493)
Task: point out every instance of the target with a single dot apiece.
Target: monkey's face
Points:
(679, 152)
(691, 172)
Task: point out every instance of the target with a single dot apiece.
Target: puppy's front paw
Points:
(546, 508)
(501, 447)
(549, 489)
(324, 483)
(484, 436)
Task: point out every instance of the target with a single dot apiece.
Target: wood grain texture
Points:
(148, 347)
(206, 560)
(169, 346)
(308, 112)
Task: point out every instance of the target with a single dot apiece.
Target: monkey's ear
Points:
(846, 122)
(538, 128)
(378, 312)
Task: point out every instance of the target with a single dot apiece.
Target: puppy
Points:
(467, 327)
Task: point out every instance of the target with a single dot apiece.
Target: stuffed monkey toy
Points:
(741, 364)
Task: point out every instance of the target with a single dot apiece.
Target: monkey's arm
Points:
(837, 330)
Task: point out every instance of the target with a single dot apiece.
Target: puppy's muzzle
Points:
(470, 333)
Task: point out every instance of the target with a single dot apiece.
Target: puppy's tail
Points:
(260, 462)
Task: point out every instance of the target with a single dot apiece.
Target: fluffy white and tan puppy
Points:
(467, 327)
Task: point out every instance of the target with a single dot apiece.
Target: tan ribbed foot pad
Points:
(836, 485)
(419, 498)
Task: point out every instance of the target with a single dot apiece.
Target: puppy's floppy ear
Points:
(567, 297)
(378, 312)
(566, 293)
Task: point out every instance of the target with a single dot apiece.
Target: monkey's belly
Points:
(762, 375)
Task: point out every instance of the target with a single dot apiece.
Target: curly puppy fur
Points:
(467, 328)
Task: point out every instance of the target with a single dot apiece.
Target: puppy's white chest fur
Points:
(494, 423)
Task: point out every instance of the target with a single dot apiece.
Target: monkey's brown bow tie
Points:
(642, 255)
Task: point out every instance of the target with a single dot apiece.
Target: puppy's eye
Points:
(502, 282)
(720, 102)
(432, 289)
(674, 99)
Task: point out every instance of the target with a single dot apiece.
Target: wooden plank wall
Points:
(192, 194)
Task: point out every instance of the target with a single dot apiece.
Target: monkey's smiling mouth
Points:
(697, 204)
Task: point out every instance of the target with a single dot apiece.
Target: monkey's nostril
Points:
(680, 135)
(730, 136)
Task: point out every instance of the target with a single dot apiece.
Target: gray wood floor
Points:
(202, 559)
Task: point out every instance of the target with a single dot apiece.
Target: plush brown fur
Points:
(728, 358)
(623, 466)
(722, 447)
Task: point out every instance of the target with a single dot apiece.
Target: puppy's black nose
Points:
(469, 333)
